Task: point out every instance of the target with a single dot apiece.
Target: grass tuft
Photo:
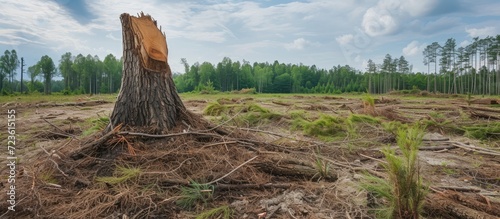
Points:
(223, 212)
(325, 125)
(362, 118)
(322, 166)
(97, 125)
(489, 130)
(122, 174)
(48, 177)
(215, 109)
(194, 193)
(254, 114)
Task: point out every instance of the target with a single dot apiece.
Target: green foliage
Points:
(394, 126)
(253, 114)
(322, 166)
(208, 88)
(194, 193)
(215, 109)
(298, 114)
(48, 177)
(121, 175)
(91, 75)
(97, 125)
(403, 191)
(223, 212)
(440, 122)
(489, 130)
(369, 100)
(48, 70)
(325, 126)
(362, 118)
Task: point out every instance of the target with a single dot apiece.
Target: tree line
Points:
(473, 69)
(264, 77)
(80, 74)
(267, 77)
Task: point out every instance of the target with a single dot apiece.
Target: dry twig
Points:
(232, 171)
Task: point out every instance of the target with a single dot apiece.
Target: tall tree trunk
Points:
(148, 99)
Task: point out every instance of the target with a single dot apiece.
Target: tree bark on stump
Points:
(148, 99)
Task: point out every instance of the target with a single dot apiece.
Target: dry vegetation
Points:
(261, 156)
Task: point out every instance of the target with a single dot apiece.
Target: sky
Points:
(324, 33)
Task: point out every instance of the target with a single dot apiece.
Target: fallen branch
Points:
(476, 149)
(223, 123)
(88, 148)
(220, 143)
(57, 127)
(491, 110)
(481, 115)
(282, 135)
(459, 189)
(166, 135)
(372, 158)
(471, 202)
(171, 171)
(55, 163)
(281, 103)
(232, 171)
(282, 166)
(252, 186)
(437, 148)
(437, 205)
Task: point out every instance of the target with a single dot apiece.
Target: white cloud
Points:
(481, 32)
(345, 39)
(43, 23)
(418, 7)
(413, 48)
(387, 16)
(378, 21)
(298, 44)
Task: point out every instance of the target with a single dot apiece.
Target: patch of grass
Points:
(361, 118)
(194, 193)
(394, 126)
(403, 191)
(254, 108)
(223, 212)
(121, 175)
(254, 114)
(440, 122)
(322, 166)
(449, 171)
(486, 131)
(97, 125)
(54, 97)
(445, 169)
(368, 104)
(325, 127)
(215, 109)
(363, 128)
(48, 177)
(298, 114)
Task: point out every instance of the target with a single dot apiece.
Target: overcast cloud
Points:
(321, 32)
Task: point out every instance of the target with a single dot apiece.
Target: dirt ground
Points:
(463, 172)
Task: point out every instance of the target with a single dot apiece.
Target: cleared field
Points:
(281, 156)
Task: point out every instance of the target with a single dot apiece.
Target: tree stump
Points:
(148, 100)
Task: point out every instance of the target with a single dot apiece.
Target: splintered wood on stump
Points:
(148, 100)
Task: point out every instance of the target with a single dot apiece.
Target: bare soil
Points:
(263, 170)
